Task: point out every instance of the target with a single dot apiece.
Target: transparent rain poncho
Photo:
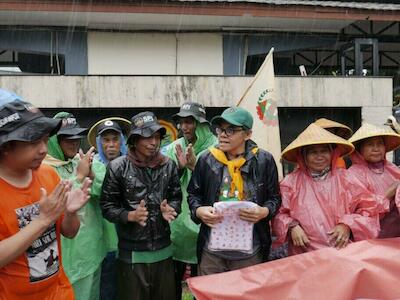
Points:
(82, 255)
(319, 206)
(378, 183)
(183, 230)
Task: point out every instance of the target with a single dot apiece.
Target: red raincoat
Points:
(378, 184)
(321, 205)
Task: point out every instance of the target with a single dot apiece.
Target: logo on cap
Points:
(186, 106)
(11, 118)
(108, 123)
(231, 110)
(139, 122)
(68, 121)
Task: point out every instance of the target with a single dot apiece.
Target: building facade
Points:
(125, 56)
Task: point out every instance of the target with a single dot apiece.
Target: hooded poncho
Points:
(319, 206)
(82, 255)
(378, 183)
(183, 230)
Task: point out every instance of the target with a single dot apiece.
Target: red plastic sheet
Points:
(364, 270)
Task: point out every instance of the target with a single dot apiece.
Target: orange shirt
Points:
(37, 274)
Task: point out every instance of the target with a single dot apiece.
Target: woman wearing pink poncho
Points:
(380, 176)
(322, 206)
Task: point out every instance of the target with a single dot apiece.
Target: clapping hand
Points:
(77, 198)
(168, 212)
(84, 168)
(139, 215)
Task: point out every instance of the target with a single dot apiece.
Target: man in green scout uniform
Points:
(185, 151)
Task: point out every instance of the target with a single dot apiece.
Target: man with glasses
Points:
(197, 138)
(250, 174)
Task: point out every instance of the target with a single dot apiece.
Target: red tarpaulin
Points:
(367, 269)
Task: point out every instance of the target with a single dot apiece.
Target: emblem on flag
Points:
(267, 109)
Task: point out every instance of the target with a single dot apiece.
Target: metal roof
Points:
(370, 5)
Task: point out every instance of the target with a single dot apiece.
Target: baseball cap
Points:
(191, 109)
(21, 121)
(145, 124)
(234, 115)
(117, 124)
(70, 128)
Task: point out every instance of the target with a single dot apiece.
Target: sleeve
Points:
(111, 197)
(363, 210)
(174, 193)
(99, 171)
(196, 189)
(272, 192)
(282, 220)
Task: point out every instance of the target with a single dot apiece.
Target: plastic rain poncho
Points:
(183, 230)
(319, 206)
(81, 256)
(378, 183)
(110, 233)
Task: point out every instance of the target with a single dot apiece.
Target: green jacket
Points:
(183, 230)
(82, 255)
(109, 230)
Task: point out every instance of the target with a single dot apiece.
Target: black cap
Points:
(145, 124)
(191, 109)
(70, 127)
(21, 121)
(117, 124)
(109, 125)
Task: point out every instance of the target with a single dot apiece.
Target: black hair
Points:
(7, 146)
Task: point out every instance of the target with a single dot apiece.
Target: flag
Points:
(260, 100)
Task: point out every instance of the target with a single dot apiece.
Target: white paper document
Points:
(232, 233)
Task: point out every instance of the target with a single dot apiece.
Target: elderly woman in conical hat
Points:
(321, 205)
(338, 129)
(379, 175)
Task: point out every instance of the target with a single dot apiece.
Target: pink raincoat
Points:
(319, 206)
(378, 184)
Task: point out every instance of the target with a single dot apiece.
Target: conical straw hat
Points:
(341, 130)
(392, 139)
(315, 135)
(123, 123)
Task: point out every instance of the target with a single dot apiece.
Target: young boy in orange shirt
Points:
(35, 206)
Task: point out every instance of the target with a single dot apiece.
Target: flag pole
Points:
(256, 76)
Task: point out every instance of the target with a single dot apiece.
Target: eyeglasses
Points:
(229, 131)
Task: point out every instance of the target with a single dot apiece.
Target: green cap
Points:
(234, 115)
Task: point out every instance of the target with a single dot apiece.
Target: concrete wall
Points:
(154, 53)
(199, 54)
(374, 95)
